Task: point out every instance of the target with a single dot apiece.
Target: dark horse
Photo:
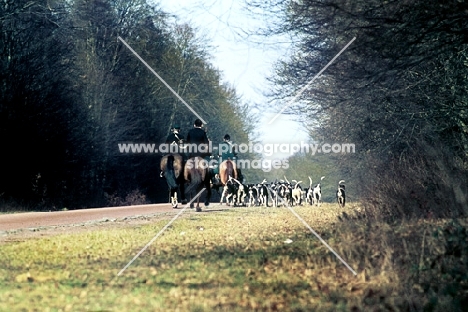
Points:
(171, 168)
(197, 175)
(227, 170)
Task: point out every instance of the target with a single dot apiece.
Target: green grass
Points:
(233, 260)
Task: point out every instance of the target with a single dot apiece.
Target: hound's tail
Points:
(341, 184)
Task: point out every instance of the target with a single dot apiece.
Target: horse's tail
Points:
(170, 174)
(195, 180)
(227, 169)
(234, 170)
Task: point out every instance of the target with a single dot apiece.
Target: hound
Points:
(310, 193)
(262, 194)
(274, 186)
(228, 193)
(340, 194)
(241, 194)
(297, 193)
(253, 194)
(228, 171)
(305, 191)
(234, 191)
(284, 191)
(317, 193)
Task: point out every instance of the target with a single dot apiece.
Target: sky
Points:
(245, 62)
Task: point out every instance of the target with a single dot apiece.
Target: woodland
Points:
(399, 92)
(71, 92)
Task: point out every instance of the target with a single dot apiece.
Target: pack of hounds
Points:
(278, 193)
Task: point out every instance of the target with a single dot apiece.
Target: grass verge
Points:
(242, 259)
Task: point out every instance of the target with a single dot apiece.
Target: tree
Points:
(397, 92)
(31, 109)
(71, 91)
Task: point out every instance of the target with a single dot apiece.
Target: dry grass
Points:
(243, 259)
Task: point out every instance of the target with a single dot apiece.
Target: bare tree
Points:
(397, 93)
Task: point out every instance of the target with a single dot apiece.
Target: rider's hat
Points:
(176, 127)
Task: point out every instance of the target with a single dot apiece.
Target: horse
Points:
(171, 169)
(196, 173)
(215, 174)
(227, 170)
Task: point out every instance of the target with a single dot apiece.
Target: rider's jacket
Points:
(227, 150)
(198, 137)
(174, 138)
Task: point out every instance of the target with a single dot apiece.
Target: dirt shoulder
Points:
(21, 226)
(17, 221)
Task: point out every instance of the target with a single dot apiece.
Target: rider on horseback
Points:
(227, 149)
(197, 140)
(175, 137)
(196, 170)
(172, 165)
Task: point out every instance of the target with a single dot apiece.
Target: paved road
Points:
(38, 219)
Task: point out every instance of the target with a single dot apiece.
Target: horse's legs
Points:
(174, 201)
(191, 204)
(198, 204)
(208, 192)
(198, 200)
(181, 183)
(173, 197)
(207, 186)
(189, 196)
(223, 194)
